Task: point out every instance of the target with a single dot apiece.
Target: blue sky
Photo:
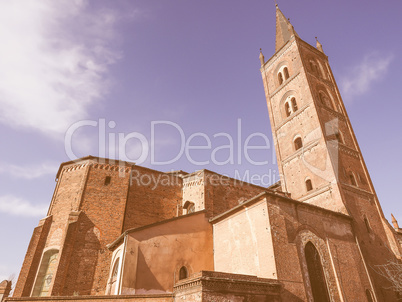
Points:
(192, 63)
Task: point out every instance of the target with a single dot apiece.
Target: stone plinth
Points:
(218, 287)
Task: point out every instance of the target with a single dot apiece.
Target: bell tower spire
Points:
(319, 159)
(284, 29)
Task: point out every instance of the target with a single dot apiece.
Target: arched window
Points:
(183, 273)
(324, 99)
(311, 65)
(280, 78)
(286, 72)
(189, 207)
(287, 109)
(316, 274)
(309, 185)
(321, 97)
(314, 68)
(298, 143)
(113, 278)
(294, 104)
(352, 179)
(369, 296)
(46, 273)
(368, 228)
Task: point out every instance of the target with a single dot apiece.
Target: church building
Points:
(319, 234)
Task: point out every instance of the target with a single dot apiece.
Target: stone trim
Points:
(157, 297)
(284, 84)
(358, 190)
(300, 152)
(107, 167)
(306, 46)
(316, 192)
(281, 51)
(292, 116)
(229, 283)
(349, 151)
(332, 112)
(304, 237)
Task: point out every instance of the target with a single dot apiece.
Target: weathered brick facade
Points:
(119, 232)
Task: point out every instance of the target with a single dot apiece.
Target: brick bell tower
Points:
(319, 159)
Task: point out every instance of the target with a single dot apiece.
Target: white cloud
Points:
(30, 171)
(360, 78)
(19, 207)
(54, 57)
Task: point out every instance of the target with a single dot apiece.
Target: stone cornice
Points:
(84, 161)
(95, 165)
(300, 152)
(357, 190)
(344, 149)
(333, 112)
(277, 55)
(316, 192)
(311, 48)
(292, 116)
(225, 282)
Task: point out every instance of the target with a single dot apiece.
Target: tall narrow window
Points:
(286, 72)
(107, 180)
(313, 68)
(287, 109)
(294, 104)
(113, 277)
(280, 78)
(317, 71)
(298, 143)
(316, 274)
(189, 207)
(367, 225)
(46, 273)
(321, 97)
(352, 179)
(309, 185)
(183, 273)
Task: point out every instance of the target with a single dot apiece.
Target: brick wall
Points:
(100, 222)
(153, 196)
(32, 258)
(223, 193)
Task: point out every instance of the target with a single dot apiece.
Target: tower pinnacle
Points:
(394, 222)
(284, 29)
(262, 59)
(319, 45)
